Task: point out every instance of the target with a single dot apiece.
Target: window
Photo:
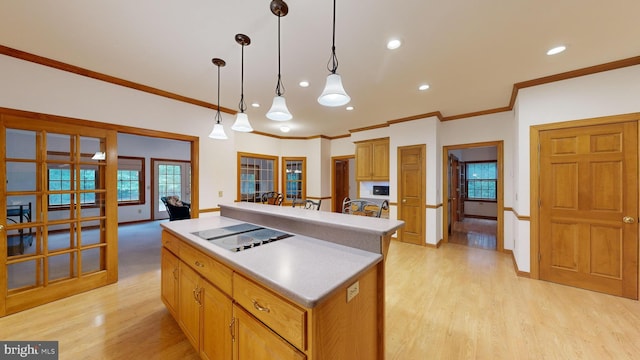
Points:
(257, 174)
(61, 180)
(294, 175)
(130, 180)
(482, 180)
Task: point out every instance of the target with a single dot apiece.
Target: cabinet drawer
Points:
(171, 243)
(216, 273)
(283, 317)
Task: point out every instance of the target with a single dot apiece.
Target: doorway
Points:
(343, 180)
(473, 187)
(170, 178)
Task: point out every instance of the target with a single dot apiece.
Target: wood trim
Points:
(436, 206)
(209, 210)
(478, 113)
(378, 126)
(500, 193)
(518, 216)
(519, 273)
(4, 50)
(417, 117)
(436, 246)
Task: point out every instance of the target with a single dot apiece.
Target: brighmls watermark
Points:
(32, 350)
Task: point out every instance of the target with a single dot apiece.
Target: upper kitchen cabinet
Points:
(372, 160)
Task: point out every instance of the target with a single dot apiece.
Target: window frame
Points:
(467, 180)
(257, 194)
(141, 180)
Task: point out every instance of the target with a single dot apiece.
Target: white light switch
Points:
(353, 290)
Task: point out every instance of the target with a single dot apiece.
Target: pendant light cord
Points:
(218, 116)
(332, 64)
(279, 85)
(242, 105)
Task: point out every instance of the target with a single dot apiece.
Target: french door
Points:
(170, 178)
(59, 233)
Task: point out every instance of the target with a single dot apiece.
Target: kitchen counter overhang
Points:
(327, 250)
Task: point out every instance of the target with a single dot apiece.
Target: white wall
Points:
(33, 87)
(603, 94)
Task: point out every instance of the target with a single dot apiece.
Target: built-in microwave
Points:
(380, 190)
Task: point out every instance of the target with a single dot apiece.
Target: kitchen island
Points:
(314, 291)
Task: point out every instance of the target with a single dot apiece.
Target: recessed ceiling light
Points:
(349, 108)
(304, 84)
(423, 87)
(394, 44)
(556, 50)
(256, 105)
(285, 129)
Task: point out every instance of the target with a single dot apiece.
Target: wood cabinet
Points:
(372, 160)
(255, 341)
(191, 290)
(227, 315)
(169, 285)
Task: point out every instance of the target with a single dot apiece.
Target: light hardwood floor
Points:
(454, 302)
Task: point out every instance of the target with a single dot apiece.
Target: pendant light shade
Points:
(279, 111)
(333, 93)
(242, 123)
(218, 130)
(242, 120)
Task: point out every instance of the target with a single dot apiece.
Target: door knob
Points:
(628, 220)
(1, 227)
(404, 200)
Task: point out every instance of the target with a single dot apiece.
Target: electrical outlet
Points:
(353, 290)
(220, 193)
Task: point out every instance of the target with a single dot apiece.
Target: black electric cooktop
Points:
(242, 236)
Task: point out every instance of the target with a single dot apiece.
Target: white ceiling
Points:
(470, 52)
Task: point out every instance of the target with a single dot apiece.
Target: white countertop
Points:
(300, 268)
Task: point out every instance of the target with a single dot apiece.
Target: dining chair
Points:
(272, 198)
(307, 204)
(364, 207)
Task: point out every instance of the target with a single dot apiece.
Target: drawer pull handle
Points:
(259, 307)
(199, 264)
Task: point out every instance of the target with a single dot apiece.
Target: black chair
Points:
(272, 198)
(177, 210)
(364, 207)
(307, 204)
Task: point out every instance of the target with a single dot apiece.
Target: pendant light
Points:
(334, 93)
(242, 120)
(279, 111)
(218, 130)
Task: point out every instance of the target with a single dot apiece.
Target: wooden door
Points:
(59, 235)
(454, 191)
(411, 194)
(255, 341)
(589, 207)
(341, 183)
(462, 188)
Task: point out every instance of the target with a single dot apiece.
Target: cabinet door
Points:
(169, 284)
(189, 304)
(216, 343)
(363, 161)
(380, 160)
(255, 341)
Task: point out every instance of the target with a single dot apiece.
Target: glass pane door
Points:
(57, 227)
